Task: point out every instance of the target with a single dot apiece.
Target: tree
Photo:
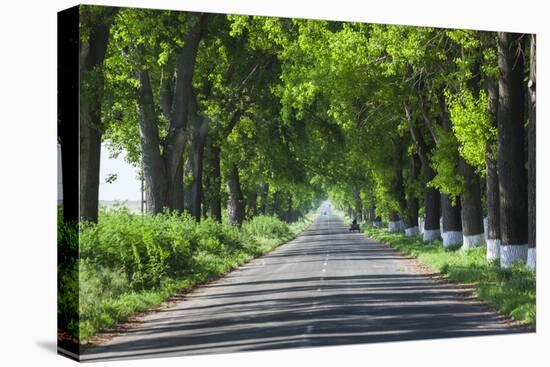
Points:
(95, 25)
(411, 218)
(472, 111)
(155, 48)
(198, 128)
(212, 186)
(167, 188)
(383, 119)
(235, 203)
(511, 158)
(493, 199)
(472, 215)
(432, 204)
(451, 208)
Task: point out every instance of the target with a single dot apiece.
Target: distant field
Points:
(133, 206)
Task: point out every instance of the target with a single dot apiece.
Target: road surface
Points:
(326, 287)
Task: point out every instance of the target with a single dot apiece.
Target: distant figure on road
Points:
(354, 226)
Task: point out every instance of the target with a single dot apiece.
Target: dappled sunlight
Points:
(368, 293)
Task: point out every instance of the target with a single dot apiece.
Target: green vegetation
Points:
(383, 119)
(237, 119)
(129, 263)
(67, 273)
(510, 290)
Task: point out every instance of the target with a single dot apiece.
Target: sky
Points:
(126, 187)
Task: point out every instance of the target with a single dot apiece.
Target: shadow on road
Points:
(266, 307)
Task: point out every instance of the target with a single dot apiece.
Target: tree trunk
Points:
(160, 193)
(411, 224)
(532, 88)
(205, 207)
(511, 157)
(92, 55)
(452, 218)
(264, 197)
(198, 130)
(432, 202)
(165, 185)
(183, 108)
(451, 214)
(372, 213)
(393, 224)
(472, 214)
(452, 222)
(493, 204)
(183, 104)
(431, 196)
(235, 204)
(396, 218)
(253, 204)
(376, 221)
(275, 205)
(288, 216)
(358, 204)
(401, 198)
(175, 197)
(411, 218)
(153, 165)
(90, 155)
(215, 194)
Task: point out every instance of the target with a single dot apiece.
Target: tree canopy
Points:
(273, 115)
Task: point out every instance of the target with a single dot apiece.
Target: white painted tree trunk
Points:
(394, 226)
(532, 258)
(493, 249)
(401, 224)
(430, 235)
(512, 253)
(452, 238)
(411, 232)
(473, 241)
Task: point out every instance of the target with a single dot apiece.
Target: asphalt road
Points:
(326, 287)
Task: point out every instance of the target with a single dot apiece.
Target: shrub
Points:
(67, 273)
(146, 249)
(67, 240)
(267, 227)
(67, 297)
(98, 284)
(129, 262)
(217, 238)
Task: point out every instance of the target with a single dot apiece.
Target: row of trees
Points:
(269, 114)
(456, 116)
(193, 105)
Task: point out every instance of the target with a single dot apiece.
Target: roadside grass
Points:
(129, 263)
(512, 291)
